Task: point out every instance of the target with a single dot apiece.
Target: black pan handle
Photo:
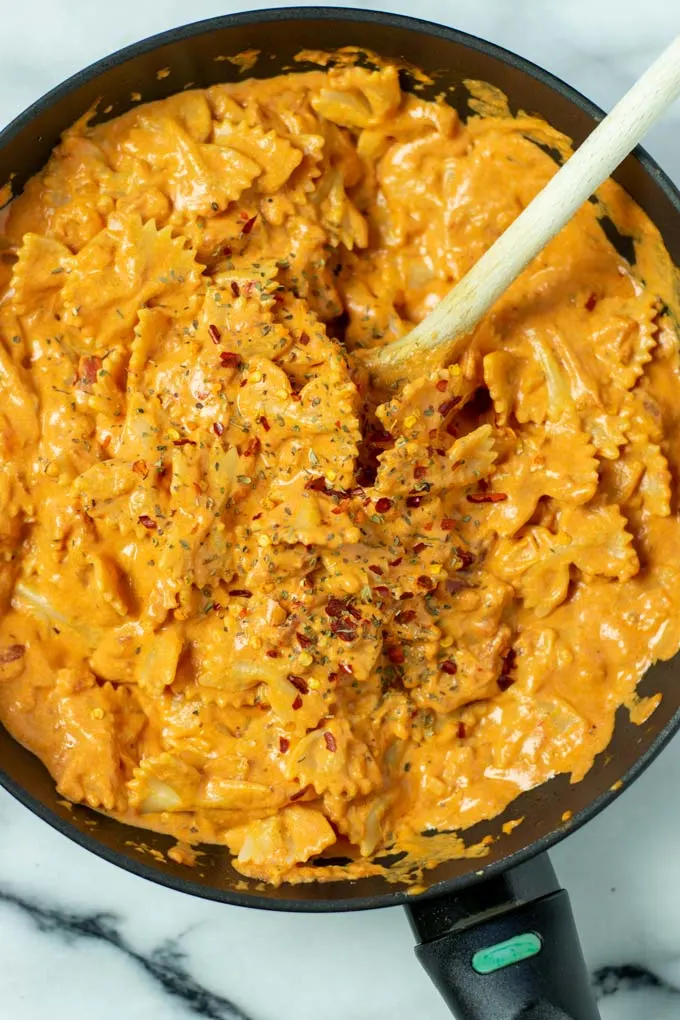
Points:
(506, 948)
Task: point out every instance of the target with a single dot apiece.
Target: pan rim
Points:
(399, 896)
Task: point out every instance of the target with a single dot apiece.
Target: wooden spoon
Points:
(444, 334)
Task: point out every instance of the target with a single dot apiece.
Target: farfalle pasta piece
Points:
(241, 796)
(275, 155)
(573, 390)
(220, 665)
(89, 714)
(129, 265)
(555, 460)
(425, 405)
(39, 272)
(164, 782)
(339, 216)
(538, 564)
(411, 472)
(200, 178)
(358, 98)
(157, 664)
(333, 762)
(517, 387)
(273, 846)
(656, 483)
(640, 478)
(414, 114)
(624, 342)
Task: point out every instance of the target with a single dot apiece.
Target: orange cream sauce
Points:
(248, 600)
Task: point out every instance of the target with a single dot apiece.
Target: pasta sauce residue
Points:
(246, 599)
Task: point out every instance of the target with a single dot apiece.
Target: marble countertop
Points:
(79, 938)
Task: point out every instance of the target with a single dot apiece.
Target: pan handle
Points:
(506, 948)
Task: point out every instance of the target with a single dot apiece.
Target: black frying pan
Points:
(497, 935)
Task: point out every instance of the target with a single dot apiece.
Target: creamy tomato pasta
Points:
(248, 599)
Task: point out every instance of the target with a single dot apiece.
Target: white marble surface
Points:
(79, 938)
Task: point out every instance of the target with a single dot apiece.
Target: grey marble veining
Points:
(79, 938)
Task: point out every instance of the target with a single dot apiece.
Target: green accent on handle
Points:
(503, 954)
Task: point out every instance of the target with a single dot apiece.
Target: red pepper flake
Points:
(318, 484)
(299, 683)
(332, 677)
(272, 653)
(405, 596)
(303, 339)
(504, 682)
(375, 569)
(343, 629)
(382, 590)
(227, 251)
(215, 334)
(248, 225)
(147, 521)
(418, 547)
(509, 660)
(12, 653)
(184, 442)
(414, 501)
(303, 640)
(396, 655)
(235, 289)
(448, 666)
(346, 668)
(140, 468)
(395, 563)
(330, 741)
(240, 593)
(465, 556)
(487, 497)
(383, 504)
(218, 428)
(284, 744)
(406, 616)
(334, 607)
(230, 359)
(447, 406)
(448, 524)
(426, 582)
(88, 366)
(297, 704)
(462, 732)
(442, 385)
(253, 448)
(591, 302)
(353, 611)
(419, 471)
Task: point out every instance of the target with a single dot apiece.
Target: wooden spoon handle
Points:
(611, 141)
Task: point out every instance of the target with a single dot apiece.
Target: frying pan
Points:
(496, 935)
